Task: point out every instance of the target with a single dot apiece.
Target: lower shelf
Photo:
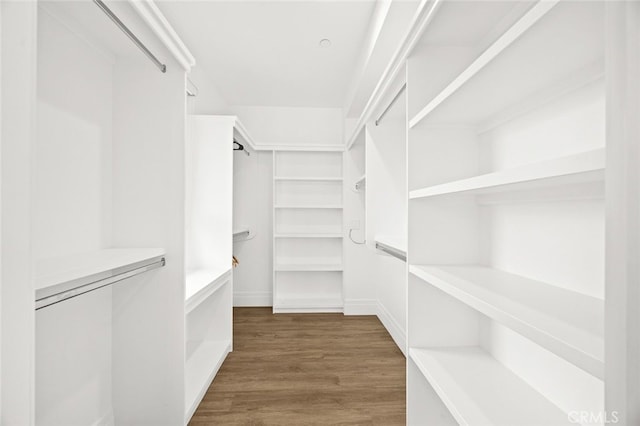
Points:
(478, 390)
(204, 359)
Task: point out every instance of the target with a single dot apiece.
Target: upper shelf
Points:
(64, 277)
(568, 323)
(517, 65)
(360, 183)
(578, 168)
(478, 390)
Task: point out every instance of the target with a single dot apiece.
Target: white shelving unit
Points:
(307, 231)
(94, 138)
(209, 242)
(506, 169)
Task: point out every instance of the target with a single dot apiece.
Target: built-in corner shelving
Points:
(208, 291)
(307, 231)
(506, 205)
(360, 183)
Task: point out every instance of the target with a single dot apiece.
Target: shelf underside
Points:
(517, 65)
(478, 390)
(567, 323)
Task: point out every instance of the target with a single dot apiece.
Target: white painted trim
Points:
(378, 20)
(242, 130)
(360, 307)
(252, 298)
(397, 332)
(421, 20)
(150, 13)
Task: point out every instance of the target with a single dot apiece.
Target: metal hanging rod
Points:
(393, 101)
(131, 35)
(402, 255)
(95, 285)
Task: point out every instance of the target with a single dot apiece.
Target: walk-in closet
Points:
(420, 212)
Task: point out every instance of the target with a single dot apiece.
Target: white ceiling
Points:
(266, 53)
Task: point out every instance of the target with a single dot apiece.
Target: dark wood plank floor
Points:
(303, 369)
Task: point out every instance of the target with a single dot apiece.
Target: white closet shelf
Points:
(478, 390)
(60, 278)
(516, 65)
(202, 283)
(336, 235)
(204, 359)
(360, 183)
(308, 179)
(579, 168)
(567, 323)
(302, 206)
(309, 267)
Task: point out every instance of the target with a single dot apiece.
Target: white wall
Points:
(359, 280)
(386, 217)
(208, 190)
(148, 211)
(252, 208)
(73, 340)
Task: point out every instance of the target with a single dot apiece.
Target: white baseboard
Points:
(360, 307)
(106, 420)
(396, 331)
(252, 298)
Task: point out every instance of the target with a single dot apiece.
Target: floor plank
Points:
(306, 369)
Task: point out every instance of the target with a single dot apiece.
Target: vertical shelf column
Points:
(307, 231)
